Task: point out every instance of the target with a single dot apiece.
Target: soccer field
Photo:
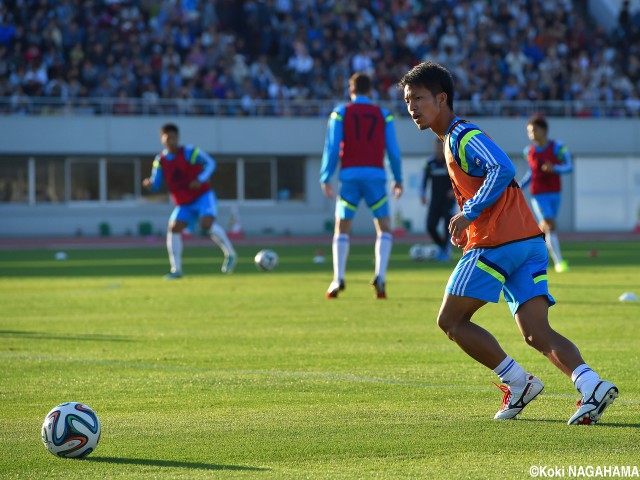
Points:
(257, 375)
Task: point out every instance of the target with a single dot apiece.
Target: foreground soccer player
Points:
(186, 170)
(504, 251)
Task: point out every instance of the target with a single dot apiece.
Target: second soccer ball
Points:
(266, 260)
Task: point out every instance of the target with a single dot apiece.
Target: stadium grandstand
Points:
(294, 58)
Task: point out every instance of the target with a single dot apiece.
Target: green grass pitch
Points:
(257, 375)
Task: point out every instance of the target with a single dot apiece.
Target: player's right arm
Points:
(154, 182)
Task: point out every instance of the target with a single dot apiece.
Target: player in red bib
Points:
(186, 170)
(359, 134)
(547, 160)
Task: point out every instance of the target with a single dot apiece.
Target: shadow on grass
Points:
(47, 336)
(596, 425)
(175, 464)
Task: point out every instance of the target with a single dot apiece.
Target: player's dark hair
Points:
(169, 128)
(539, 121)
(360, 83)
(432, 76)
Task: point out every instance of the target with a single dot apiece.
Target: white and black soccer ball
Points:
(266, 260)
(420, 252)
(71, 430)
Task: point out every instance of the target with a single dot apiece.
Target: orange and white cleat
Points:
(334, 288)
(514, 400)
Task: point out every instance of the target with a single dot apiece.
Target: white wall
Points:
(607, 194)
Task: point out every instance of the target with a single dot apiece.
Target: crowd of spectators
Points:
(280, 57)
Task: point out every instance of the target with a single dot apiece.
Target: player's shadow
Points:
(174, 464)
(94, 337)
(598, 425)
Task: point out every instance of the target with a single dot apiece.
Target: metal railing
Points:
(39, 106)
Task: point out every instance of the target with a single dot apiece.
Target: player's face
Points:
(536, 134)
(423, 106)
(169, 140)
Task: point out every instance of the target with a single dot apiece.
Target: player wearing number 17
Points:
(358, 135)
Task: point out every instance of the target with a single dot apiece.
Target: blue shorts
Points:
(374, 193)
(206, 205)
(545, 205)
(518, 269)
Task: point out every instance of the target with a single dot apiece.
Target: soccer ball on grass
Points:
(420, 252)
(71, 430)
(266, 260)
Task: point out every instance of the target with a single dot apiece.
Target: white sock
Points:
(584, 378)
(174, 247)
(553, 244)
(340, 250)
(384, 242)
(219, 236)
(511, 373)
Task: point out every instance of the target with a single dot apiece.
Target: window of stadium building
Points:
(49, 179)
(123, 179)
(14, 180)
(113, 179)
(260, 178)
(84, 180)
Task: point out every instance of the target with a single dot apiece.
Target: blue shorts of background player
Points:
(518, 270)
(374, 193)
(206, 205)
(545, 205)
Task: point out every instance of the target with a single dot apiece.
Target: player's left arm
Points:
(566, 162)
(393, 151)
(480, 156)
(196, 156)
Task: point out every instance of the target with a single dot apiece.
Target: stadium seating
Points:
(284, 57)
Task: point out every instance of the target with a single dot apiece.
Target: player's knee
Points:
(537, 340)
(343, 226)
(383, 224)
(206, 223)
(176, 227)
(447, 324)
